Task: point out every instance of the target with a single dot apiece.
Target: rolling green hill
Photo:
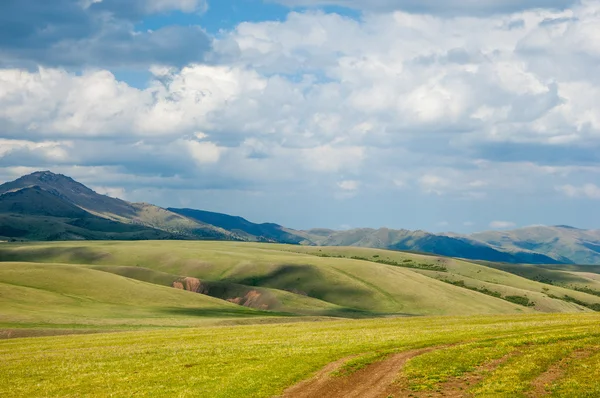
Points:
(57, 294)
(323, 281)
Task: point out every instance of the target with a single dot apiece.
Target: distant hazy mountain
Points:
(240, 226)
(563, 243)
(421, 241)
(48, 206)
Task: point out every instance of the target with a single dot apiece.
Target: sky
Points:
(461, 115)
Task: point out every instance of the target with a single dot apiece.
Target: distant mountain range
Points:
(44, 206)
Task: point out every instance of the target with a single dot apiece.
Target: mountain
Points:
(563, 243)
(48, 206)
(61, 192)
(36, 214)
(261, 232)
(421, 241)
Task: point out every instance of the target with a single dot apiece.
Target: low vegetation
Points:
(217, 361)
(188, 319)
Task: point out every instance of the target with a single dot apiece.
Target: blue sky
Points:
(445, 116)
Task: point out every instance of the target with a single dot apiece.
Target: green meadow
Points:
(261, 361)
(227, 319)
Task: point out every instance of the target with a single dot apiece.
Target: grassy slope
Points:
(270, 299)
(65, 294)
(571, 276)
(217, 362)
(24, 227)
(366, 286)
(474, 275)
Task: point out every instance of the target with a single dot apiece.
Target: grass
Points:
(55, 294)
(581, 379)
(171, 342)
(521, 360)
(513, 378)
(254, 361)
(296, 281)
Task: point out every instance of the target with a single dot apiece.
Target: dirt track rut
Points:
(372, 381)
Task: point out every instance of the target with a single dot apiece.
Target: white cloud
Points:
(348, 185)
(434, 184)
(49, 150)
(590, 191)
(470, 7)
(502, 224)
(204, 152)
(464, 107)
(154, 6)
(115, 192)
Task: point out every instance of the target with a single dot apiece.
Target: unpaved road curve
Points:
(372, 381)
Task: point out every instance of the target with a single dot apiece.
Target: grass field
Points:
(113, 323)
(258, 361)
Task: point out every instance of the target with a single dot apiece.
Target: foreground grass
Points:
(258, 361)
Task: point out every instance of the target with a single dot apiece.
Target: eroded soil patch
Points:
(372, 381)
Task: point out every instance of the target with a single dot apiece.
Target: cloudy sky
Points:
(456, 115)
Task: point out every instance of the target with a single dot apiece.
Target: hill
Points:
(325, 281)
(58, 294)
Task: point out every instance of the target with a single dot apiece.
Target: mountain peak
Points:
(74, 192)
(566, 227)
(45, 177)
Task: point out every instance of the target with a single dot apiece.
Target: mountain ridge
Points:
(48, 206)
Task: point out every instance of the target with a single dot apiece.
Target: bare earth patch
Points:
(372, 381)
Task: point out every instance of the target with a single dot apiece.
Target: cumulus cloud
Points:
(590, 191)
(468, 108)
(78, 33)
(452, 7)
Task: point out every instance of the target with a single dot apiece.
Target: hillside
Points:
(261, 232)
(63, 192)
(36, 214)
(57, 294)
(348, 282)
(562, 243)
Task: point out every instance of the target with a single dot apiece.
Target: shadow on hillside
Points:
(242, 312)
(79, 255)
(309, 281)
